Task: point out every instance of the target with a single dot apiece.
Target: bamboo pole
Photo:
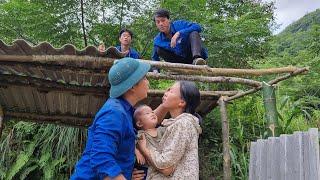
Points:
(225, 139)
(220, 79)
(272, 82)
(269, 101)
(206, 70)
(88, 62)
(204, 94)
(242, 93)
(1, 121)
(296, 72)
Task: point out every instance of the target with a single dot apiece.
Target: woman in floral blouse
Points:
(178, 148)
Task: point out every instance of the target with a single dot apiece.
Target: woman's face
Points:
(172, 97)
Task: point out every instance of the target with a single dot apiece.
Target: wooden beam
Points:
(204, 94)
(195, 78)
(241, 94)
(1, 121)
(272, 82)
(99, 63)
(48, 85)
(225, 139)
(49, 118)
(294, 73)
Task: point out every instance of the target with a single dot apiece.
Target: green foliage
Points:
(236, 33)
(303, 24)
(33, 151)
(22, 159)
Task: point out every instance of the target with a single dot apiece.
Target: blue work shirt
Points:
(182, 45)
(132, 53)
(110, 145)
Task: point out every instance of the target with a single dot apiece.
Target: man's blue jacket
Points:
(110, 145)
(132, 53)
(182, 45)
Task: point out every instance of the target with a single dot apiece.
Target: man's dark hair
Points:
(126, 30)
(161, 13)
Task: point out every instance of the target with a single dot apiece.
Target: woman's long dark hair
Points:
(191, 95)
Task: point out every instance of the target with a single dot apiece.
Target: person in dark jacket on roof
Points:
(178, 41)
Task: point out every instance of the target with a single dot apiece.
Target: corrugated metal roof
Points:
(48, 93)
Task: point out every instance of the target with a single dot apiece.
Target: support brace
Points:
(225, 139)
(1, 121)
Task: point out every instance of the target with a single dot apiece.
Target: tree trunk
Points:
(121, 15)
(83, 25)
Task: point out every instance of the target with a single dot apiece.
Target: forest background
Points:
(238, 34)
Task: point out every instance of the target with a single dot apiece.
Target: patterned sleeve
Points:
(139, 135)
(175, 143)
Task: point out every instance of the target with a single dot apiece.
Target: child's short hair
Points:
(138, 112)
(126, 30)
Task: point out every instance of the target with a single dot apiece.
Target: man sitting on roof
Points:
(178, 41)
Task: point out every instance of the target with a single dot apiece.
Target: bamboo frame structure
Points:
(100, 66)
(272, 82)
(94, 63)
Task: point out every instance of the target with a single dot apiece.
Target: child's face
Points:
(147, 119)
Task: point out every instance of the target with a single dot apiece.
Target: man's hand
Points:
(125, 52)
(174, 39)
(137, 174)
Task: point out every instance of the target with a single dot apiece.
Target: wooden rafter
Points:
(50, 118)
(98, 63)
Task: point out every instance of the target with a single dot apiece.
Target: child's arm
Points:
(161, 112)
(141, 160)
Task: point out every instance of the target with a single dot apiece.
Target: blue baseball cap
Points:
(124, 74)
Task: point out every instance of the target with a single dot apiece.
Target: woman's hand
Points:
(137, 174)
(161, 112)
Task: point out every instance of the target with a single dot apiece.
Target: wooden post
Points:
(225, 140)
(1, 121)
(269, 101)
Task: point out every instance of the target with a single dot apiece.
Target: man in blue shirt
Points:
(125, 39)
(109, 152)
(178, 41)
